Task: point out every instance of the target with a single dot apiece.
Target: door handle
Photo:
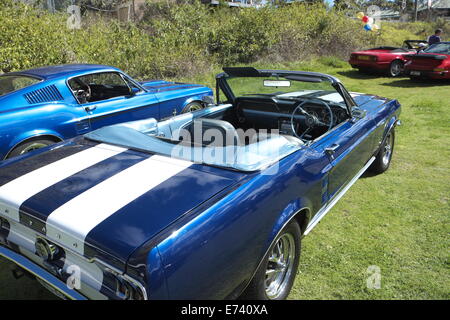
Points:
(90, 108)
(332, 149)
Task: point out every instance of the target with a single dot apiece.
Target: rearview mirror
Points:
(277, 83)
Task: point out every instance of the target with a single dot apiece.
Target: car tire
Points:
(29, 146)
(193, 106)
(384, 156)
(279, 284)
(396, 68)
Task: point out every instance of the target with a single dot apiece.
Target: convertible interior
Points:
(250, 118)
(98, 87)
(245, 132)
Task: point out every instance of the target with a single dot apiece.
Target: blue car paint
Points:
(240, 225)
(189, 256)
(65, 118)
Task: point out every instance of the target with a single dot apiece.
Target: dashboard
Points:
(260, 106)
(322, 113)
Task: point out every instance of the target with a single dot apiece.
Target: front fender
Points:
(197, 97)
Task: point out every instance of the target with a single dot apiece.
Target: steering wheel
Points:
(311, 120)
(84, 94)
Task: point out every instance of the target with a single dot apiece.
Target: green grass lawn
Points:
(397, 221)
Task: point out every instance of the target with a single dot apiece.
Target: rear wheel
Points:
(396, 68)
(29, 146)
(384, 156)
(275, 276)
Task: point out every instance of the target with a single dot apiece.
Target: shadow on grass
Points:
(366, 75)
(408, 83)
(368, 174)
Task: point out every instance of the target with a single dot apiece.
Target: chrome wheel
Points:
(396, 68)
(32, 147)
(387, 149)
(193, 106)
(280, 266)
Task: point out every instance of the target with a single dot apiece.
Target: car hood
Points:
(104, 201)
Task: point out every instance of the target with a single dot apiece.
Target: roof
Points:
(64, 70)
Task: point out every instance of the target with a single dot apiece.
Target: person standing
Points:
(435, 38)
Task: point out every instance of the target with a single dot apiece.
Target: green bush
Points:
(180, 40)
(243, 35)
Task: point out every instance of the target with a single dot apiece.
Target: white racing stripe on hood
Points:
(15, 192)
(71, 223)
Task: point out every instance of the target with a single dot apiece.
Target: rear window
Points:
(12, 83)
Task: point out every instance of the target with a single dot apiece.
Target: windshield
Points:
(10, 83)
(289, 87)
(439, 48)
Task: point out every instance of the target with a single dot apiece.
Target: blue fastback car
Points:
(42, 106)
(211, 204)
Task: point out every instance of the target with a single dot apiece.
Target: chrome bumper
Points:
(42, 274)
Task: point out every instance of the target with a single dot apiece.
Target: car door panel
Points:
(348, 148)
(122, 109)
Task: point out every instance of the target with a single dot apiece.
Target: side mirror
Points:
(134, 91)
(358, 114)
(208, 100)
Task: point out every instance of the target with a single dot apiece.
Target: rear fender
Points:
(33, 134)
(290, 212)
(297, 210)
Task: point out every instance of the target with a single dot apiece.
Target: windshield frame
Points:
(235, 72)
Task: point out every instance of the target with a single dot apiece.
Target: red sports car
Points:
(385, 59)
(433, 62)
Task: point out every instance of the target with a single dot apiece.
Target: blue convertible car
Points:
(46, 105)
(206, 205)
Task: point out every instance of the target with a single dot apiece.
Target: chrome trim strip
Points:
(41, 274)
(322, 212)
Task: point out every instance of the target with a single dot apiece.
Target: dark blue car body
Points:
(201, 231)
(49, 110)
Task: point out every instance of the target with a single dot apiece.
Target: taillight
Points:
(127, 290)
(124, 287)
